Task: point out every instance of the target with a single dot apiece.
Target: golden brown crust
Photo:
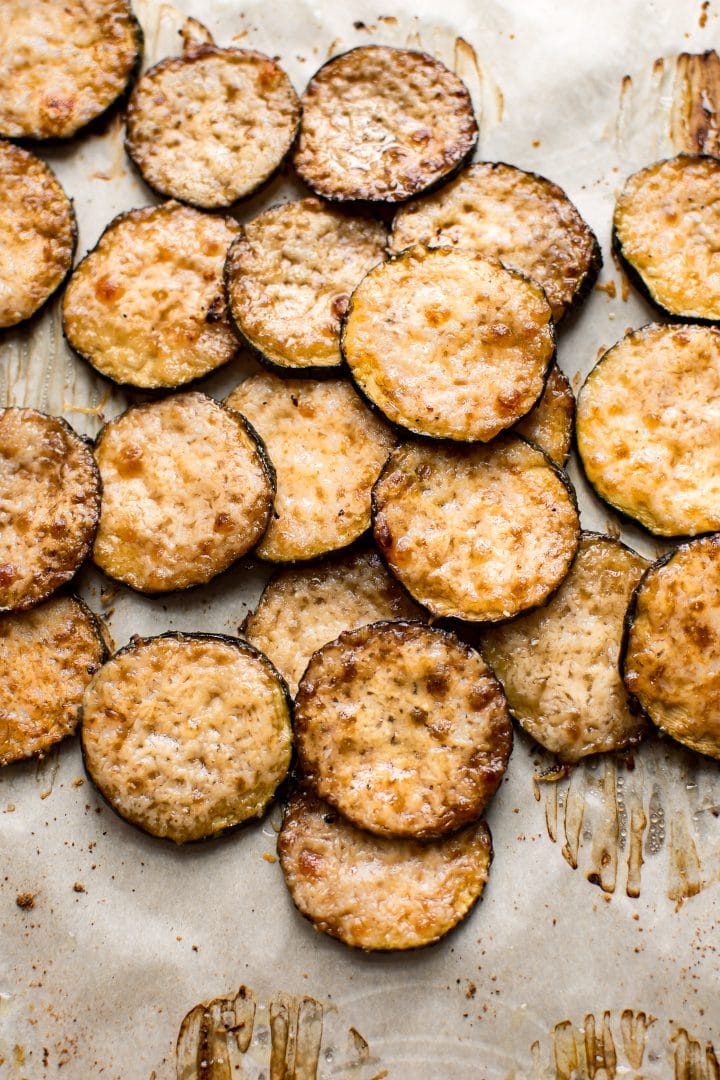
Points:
(147, 307)
(382, 124)
(403, 728)
(550, 423)
(378, 893)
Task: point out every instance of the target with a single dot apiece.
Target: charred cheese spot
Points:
(550, 423)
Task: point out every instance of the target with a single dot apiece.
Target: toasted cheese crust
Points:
(403, 728)
(328, 450)
(187, 490)
(63, 63)
(302, 609)
(47, 658)
(187, 735)
(383, 124)
(479, 533)
(559, 664)
(289, 276)
(374, 892)
(522, 219)
(147, 306)
(38, 230)
(666, 225)
(449, 344)
(49, 506)
(648, 429)
(550, 423)
(671, 661)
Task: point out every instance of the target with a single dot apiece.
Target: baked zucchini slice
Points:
(47, 658)
(49, 506)
(648, 428)
(147, 306)
(520, 218)
(303, 608)
(328, 449)
(551, 422)
(382, 124)
(665, 229)
(187, 490)
(449, 344)
(210, 127)
(403, 728)
(559, 664)
(63, 63)
(379, 893)
(478, 533)
(187, 735)
(289, 276)
(671, 654)
(39, 233)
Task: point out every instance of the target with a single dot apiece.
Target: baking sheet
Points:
(559, 972)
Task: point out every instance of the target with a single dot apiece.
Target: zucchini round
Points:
(147, 307)
(559, 664)
(328, 450)
(378, 893)
(39, 232)
(303, 608)
(551, 422)
(187, 490)
(187, 735)
(289, 276)
(47, 658)
(382, 124)
(403, 728)
(671, 654)
(480, 533)
(648, 429)
(665, 229)
(520, 218)
(49, 506)
(449, 344)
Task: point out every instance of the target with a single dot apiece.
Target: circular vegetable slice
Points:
(550, 423)
(187, 735)
(481, 533)
(47, 658)
(518, 217)
(63, 63)
(559, 664)
(648, 429)
(289, 276)
(671, 654)
(147, 307)
(666, 224)
(49, 506)
(328, 450)
(403, 728)
(304, 608)
(378, 893)
(448, 344)
(212, 126)
(39, 234)
(187, 490)
(383, 124)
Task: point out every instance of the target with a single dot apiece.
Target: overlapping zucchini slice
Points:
(187, 735)
(666, 225)
(328, 449)
(403, 728)
(211, 126)
(187, 490)
(378, 893)
(480, 533)
(551, 422)
(147, 306)
(39, 233)
(289, 276)
(383, 124)
(648, 428)
(520, 218)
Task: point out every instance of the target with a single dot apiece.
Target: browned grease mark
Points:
(634, 1028)
(685, 871)
(574, 813)
(212, 1034)
(565, 1053)
(692, 1060)
(606, 834)
(696, 103)
(638, 824)
(467, 66)
(702, 21)
(600, 1047)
